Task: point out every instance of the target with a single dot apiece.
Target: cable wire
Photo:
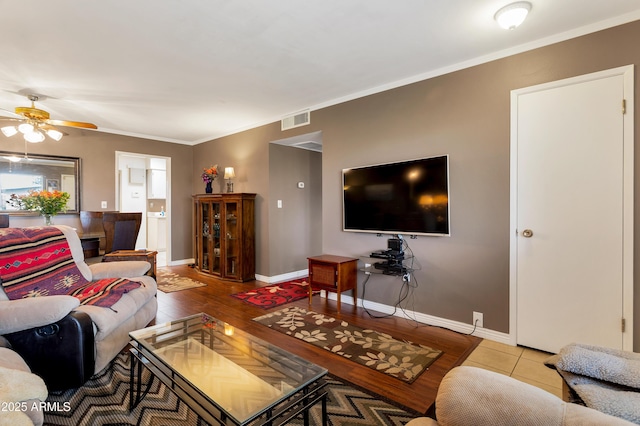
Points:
(408, 288)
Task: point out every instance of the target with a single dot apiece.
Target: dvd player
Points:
(387, 254)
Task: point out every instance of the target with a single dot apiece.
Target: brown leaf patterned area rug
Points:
(169, 282)
(400, 359)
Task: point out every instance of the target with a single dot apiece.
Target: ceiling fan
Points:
(35, 123)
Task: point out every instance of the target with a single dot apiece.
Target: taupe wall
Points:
(98, 181)
(298, 224)
(464, 114)
(248, 153)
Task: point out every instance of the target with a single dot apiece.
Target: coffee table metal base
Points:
(280, 414)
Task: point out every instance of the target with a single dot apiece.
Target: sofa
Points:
(87, 332)
(21, 392)
(475, 397)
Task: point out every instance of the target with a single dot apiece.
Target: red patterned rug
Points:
(276, 294)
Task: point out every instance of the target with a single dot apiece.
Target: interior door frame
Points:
(167, 206)
(628, 194)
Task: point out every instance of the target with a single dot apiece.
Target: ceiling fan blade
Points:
(72, 124)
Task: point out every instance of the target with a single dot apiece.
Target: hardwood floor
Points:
(420, 395)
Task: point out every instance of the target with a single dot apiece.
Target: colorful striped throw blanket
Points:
(36, 262)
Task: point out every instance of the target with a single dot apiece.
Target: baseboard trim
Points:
(456, 326)
(283, 277)
(181, 262)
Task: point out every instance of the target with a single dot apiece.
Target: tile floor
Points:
(520, 363)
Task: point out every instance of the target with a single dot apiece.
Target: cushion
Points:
(470, 396)
(107, 320)
(23, 314)
(125, 268)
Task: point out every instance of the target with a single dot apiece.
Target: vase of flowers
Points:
(208, 176)
(47, 203)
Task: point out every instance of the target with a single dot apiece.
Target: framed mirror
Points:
(20, 174)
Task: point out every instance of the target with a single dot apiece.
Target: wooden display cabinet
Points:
(224, 243)
(333, 273)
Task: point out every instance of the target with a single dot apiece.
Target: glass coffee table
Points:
(227, 376)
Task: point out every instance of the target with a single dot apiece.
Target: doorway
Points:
(295, 204)
(143, 185)
(571, 266)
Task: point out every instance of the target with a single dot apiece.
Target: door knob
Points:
(527, 233)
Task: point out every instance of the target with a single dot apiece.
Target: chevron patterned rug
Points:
(104, 400)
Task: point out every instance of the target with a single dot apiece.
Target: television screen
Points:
(410, 197)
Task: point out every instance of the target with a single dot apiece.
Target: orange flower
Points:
(45, 202)
(210, 174)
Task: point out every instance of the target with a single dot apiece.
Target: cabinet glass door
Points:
(205, 217)
(231, 228)
(215, 237)
(210, 216)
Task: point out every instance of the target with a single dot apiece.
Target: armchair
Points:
(470, 396)
(19, 387)
(92, 227)
(121, 230)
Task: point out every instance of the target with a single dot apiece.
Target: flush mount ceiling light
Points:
(512, 15)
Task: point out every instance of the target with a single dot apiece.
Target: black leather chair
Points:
(121, 230)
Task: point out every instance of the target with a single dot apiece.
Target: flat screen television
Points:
(409, 197)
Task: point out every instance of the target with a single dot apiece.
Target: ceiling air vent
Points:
(297, 120)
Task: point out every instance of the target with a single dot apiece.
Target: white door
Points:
(572, 167)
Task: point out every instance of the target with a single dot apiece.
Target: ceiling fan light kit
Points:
(25, 128)
(36, 123)
(512, 15)
(54, 134)
(9, 131)
(34, 137)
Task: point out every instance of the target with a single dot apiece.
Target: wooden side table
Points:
(120, 255)
(333, 273)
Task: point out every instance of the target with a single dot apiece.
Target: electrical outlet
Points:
(478, 319)
(367, 267)
(103, 205)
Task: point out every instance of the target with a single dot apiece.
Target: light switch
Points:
(279, 204)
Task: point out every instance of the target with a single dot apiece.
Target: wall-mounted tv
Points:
(410, 197)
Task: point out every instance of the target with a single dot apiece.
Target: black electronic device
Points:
(410, 197)
(380, 254)
(394, 244)
(391, 267)
(387, 254)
